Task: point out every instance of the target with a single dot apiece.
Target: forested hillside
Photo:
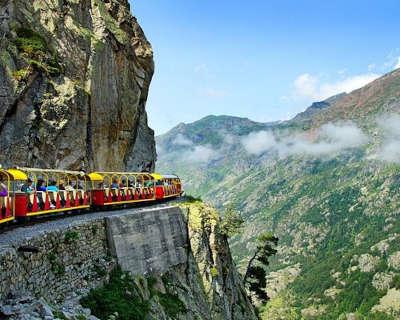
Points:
(326, 183)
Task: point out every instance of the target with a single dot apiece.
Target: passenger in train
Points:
(41, 185)
(27, 187)
(3, 188)
(148, 184)
(69, 187)
(61, 185)
(114, 184)
(122, 184)
(79, 185)
(52, 186)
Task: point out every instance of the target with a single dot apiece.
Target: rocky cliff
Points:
(74, 79)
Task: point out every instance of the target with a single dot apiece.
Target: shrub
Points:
(117, 296)
(192, 199)
(171, 304)
(36, 52)
(71, 237)
(56, 265)
(232, 222)
(214, 272)
(30, 42)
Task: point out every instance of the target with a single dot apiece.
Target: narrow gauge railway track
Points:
(13, 233)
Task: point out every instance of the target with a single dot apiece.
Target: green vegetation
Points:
(118, 295)
(31, 43)
(191, 199)
(255, 276)
(232, 222)
(36, 53)
(171, 304)
(71, 237)
(327, 211)
(57, 267)
(214, 272)
(99, 270)
(95, 229)
(123, 295)
(21, 74)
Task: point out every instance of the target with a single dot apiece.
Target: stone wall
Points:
(58, 263)
(78, 257)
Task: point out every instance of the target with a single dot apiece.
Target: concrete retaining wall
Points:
(148, 242)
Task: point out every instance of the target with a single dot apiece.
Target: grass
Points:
(118, 295)
(122, 295)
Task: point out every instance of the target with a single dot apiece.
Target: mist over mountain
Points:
(326, 183)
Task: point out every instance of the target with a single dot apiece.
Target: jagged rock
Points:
(31, 309)
(44, 309)
(74, 79)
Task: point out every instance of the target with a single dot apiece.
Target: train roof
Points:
(170, 176)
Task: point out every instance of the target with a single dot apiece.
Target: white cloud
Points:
(397, 64)
(306, 85)
(309, 86)
(181, 140)
(390, 148)
(330, 139)
(259, 142)
(200, 154)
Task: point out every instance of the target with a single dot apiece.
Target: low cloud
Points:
(390, 148)
(309, 86)
(259, 142)
(330, 139)
(181, 140)
(199, 154)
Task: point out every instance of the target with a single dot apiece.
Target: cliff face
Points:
(74, 79)
(174, 265)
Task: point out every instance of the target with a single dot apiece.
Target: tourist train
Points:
(29, 192)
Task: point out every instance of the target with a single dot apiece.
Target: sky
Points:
(264, 60)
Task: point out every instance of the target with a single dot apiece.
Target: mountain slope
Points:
(328, 186)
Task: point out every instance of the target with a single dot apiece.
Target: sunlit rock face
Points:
(74, 79)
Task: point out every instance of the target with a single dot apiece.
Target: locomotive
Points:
(29, 192)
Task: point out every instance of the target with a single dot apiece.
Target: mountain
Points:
(316, 107)
(326, 183)
(74, 79)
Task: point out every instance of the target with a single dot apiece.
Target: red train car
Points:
(27, 192)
